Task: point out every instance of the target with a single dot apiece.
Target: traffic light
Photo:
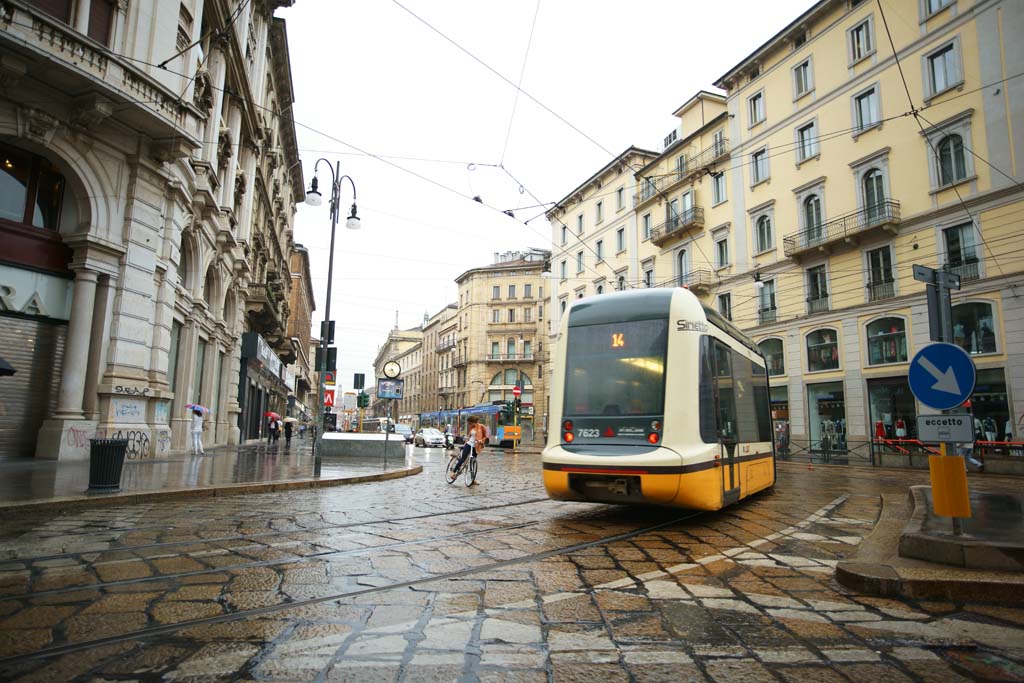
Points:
(518, 404)
(363, 401)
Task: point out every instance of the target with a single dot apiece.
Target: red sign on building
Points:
(329, 398)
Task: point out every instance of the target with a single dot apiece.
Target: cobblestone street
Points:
(413, 579)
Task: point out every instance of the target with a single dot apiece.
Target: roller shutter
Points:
(36, 350)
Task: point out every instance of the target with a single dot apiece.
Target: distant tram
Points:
(491, 414)
(657, 399)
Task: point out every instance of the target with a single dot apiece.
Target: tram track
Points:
(152, 631)
(262, 534)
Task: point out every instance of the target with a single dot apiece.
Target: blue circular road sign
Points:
(942, 376)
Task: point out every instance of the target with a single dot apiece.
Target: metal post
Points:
(335, 190)
(942, 283)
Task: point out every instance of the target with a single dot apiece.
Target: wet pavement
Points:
(28, 479)
(413, 579)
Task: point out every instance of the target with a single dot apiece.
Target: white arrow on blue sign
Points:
(942, 376)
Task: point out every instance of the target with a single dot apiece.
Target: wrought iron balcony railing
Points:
(967, 270)
(817, 304)
(510, 357)
(700, 279)
(883, 289)
(651, 186)
(766, 316)
(843, 227)
(673, 227)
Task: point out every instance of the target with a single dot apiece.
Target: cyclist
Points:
(476, 438)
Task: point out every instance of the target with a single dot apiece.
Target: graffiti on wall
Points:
(138, 443)
(131, 391)
(162, 412)
(127, 409)
(78, 437)
(163, 442)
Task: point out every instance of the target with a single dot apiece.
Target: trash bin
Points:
(106, 460)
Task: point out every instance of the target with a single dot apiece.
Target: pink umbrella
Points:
(196, 406)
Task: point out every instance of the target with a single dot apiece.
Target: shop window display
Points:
(990, 407)
(827, 409)
(773, 356)
(974, 327)
(887, 341)
(893, 412)
(822, 350)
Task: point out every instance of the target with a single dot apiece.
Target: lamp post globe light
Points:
(314, 198)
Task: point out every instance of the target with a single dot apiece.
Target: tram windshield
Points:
(616, 369)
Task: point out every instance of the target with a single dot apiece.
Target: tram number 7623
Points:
(588, 433)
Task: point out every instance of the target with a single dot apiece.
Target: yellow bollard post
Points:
(949, 485)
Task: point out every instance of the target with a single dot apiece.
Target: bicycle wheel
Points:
(470, 470)
(451, 472)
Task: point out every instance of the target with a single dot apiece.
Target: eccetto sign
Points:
(945, 428)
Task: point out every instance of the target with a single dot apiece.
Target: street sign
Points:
(329, 398)
(329, 377)
(942, 376)
(957, 428)
(358, 381)
(512, 432)
(517, 391)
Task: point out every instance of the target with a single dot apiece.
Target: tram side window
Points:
(733, 394)
(762, 403)
(706, 393)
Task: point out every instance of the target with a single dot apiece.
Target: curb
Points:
(135, 498)
(876, 569)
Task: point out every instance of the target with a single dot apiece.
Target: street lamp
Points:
(314, 198)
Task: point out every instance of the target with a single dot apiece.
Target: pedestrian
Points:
(271, 426)
(302, 431)
(197, 431)
(277, 429)
(287, 433)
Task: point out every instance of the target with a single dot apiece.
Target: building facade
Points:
(404, 347)
(830, 189)
(301, 305)
(147, 217)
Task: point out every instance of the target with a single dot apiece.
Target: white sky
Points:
(370, 75)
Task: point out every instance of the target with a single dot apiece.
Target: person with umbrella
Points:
(288, 430)
(198, 412)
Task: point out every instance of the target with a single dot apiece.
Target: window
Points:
(865, 110)
(579, 224)
(565, 234)
(620, 240)
(887, 341)
(579, 294)
(756, 108)
(494, 350)
(930, 7)
(961, 251)
(881, 284)
(496, 292)
(759, 161)
(620, 199)
(817, 289)
(822, 350)
(528, 314)
(952, 168)
(648, 278)
(766, 303)
(58, 9)
(722, 252)
(799, 39)
(725, 305)
(718, 141)
(732, 395)
(771, 349)
(874, 195)
(101, 15)
(562, 306)
(31, 189)
(802, 83)
(942, 69)
(861, 41)
(527, 291)
(579, 261)
(600, 289)
(718, 188)
(563, 270)
(763, 230)
(527, 349)
(807, 141)
(510, 348)
(511, 315)
(511, 291)
(683, 266)
(600, 250)
(599, 212)
(680, 166)
(621, 283)
(646, 222)
(974, 329)
(496, 315)
(755, 71)
(812, 219)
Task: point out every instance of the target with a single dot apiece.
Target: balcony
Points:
(879, 291)
(817, 304)
(445, 345)
(846, 229)
(652, 186)
(678, 225)
(967, 270)
(459, 360)
(510, 357)
(697, 281)
(767, 316)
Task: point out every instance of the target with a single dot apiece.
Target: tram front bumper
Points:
(648, 477)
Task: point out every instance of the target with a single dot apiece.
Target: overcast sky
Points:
(406, 112)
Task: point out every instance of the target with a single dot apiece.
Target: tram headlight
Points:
(653, 437)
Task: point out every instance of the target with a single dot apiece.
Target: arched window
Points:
(228, 312)
(31, 189)
(502, 383)
(812, 219)
(887, 341)
(682, 267)
(764, 234)
(874, 195)
(823, 350)
(974, 328)
(773, 356)
(561, 306)
(210, 286)
(622, 282)
(600, 289)
(184, 263)
(952, 166)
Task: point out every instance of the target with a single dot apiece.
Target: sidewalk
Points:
(250, 468)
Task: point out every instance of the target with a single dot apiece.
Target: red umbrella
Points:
(271, 413)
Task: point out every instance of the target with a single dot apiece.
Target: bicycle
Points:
(458, 465)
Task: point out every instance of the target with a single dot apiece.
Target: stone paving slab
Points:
(415, 579)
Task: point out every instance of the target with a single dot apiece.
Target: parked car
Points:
(429, 438)
(405, 431)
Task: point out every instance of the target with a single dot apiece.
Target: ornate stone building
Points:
(148, 189)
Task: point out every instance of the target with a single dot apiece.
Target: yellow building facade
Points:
(797, 203)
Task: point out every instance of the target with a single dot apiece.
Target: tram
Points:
(491, 414)
(657, 399)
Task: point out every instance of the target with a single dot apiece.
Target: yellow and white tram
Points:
(657, 399)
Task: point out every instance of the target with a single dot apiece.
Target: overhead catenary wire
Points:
(519, 85)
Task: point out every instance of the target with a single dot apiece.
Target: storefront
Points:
(779, 397)
(892, 413)
(261, 387)
(990, 407)
(826, 411)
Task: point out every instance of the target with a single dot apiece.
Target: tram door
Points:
(725, 401)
